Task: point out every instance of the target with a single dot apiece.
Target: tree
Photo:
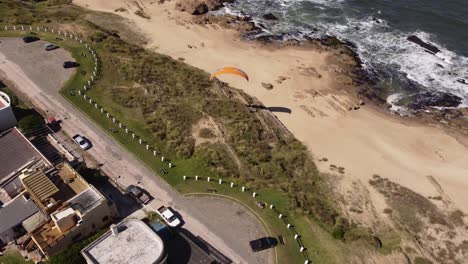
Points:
(30, 122)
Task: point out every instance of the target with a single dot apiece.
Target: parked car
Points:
(29, 39)
(137, 194)
(70, 64)
(168, 216)
(50, 46)
(263, 243)
(82, 142)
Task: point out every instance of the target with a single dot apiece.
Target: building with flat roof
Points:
(130, 241)
(7, 118)
(16, 155)
(76, 208)
(13, 214)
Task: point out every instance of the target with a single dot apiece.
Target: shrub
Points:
(30, 122)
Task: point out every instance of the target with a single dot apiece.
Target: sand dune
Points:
(364, 142)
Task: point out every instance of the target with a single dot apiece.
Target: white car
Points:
(168, 216)
(82, 142)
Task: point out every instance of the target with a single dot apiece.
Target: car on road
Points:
(70, 64)
(137, 194)
(263, 243)
(82, 142)
(29, 39)
(168, 216)
(50, 46)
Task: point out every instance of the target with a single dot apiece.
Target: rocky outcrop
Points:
(269, 16)
(427, 46)
(199, 7)
(434, 99)
(241, 24)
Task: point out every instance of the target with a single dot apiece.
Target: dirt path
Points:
(22, 69)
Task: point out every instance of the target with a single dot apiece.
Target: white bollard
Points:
(302, 249)
(102, 110)
(90, 101)
(30, 28)
(243, 189)
(65, 34)
(220, 181)
(139, 141)
(185, 177)
(162, 158)
(84, 87)
(232, 184)
(60, 33)
(296, 236)
(208, 179)
(254, 194)
(107, 115)
(22, 27)
(170, 165)
(280, 216)
(45, 29)
(89, 83)
(86, 45)
(147, 147)
(6, 28)
(120, 125)
(272, 206)
(79, 92)
(84, 96)
(154, 153)
(95, 105)
(92, 78)
(196, 177)
(113, 120)
(288, 226)
(52, 30)
(81, 41)
(126, 131)
(133, 135)
(14, 27)
(307, 262)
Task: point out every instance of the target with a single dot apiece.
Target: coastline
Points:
(364, 142)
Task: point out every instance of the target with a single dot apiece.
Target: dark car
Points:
(70, 64)
(263, 243)
(137, 194)
(29, 39)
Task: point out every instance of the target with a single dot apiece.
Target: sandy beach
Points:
(365, 141)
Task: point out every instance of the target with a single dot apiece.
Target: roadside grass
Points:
(13, 257)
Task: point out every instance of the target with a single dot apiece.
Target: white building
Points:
(130, 241)
(7, 118)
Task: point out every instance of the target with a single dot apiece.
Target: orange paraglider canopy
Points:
(230, 70)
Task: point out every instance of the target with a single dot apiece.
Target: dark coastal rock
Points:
(462, 81)
(427, 46)
(242, 24)
(267, 86)
(269, 16)
(434, 99)
(199, 7)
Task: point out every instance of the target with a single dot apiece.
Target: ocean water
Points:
(379, 30)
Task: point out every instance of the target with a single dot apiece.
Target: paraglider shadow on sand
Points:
(279, 109)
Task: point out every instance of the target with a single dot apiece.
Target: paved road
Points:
(40, 79)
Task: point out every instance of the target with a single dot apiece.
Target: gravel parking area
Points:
(45, 68)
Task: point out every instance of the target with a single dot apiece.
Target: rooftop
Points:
(16, 153)
(134, 242)
(86, 200)
(39, 185)
(15, 212)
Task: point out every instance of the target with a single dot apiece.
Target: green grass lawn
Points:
(13, 257)
(313, 236)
